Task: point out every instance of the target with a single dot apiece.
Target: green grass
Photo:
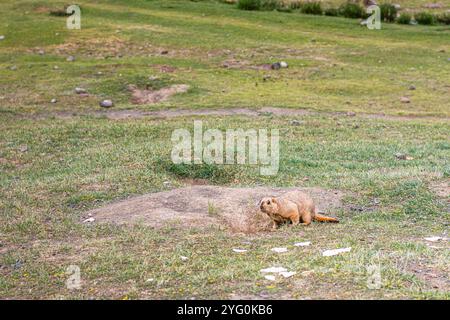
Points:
(74, 163)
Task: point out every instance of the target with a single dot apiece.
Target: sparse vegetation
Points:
(60, 159)
(312, 8)
(404, 18)
(388, 12)
(351, 10)
(425, 18)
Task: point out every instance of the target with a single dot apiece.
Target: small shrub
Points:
(332, 12)
(295, 4)
(351, 10)
(424, 18)
(404, 18)
(270, 4)
(443, 18)
(249, 4)
(388, 12)
(312, 8)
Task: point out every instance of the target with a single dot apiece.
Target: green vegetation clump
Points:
(443, 18)
(425, 18)
(312, 8)
(331, 12)
(351, 10)
(249, 4)
(388, 12)
(404, 18)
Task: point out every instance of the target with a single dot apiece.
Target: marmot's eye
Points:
(268, 201)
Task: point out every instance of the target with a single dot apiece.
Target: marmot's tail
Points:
(322, 218)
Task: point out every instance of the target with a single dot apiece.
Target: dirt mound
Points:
(202, 206)
(147, 96)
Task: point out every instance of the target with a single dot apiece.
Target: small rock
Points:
(288, 274)
(405, 100)
(89, 220)
(150, 280)
(17, 265)
(153, 78)
(302, 244)
(397, 6)
(275, 66)
(183, 258)
(164, 52)
(70, 58)
(283, 64)
(296, 122)
(329, 253)
(79, 90)
(2, 37)
(350, 114)
(13, 68)
(436, 239)
(270, 277)
(273, 270)
(107, 103)
(55, 68)
(402, 156)
(41, 52)
(279, 250)
(23, 148)
(239, 250)
(53, 100)
(412, 87)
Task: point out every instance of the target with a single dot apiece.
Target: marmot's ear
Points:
(274, 200)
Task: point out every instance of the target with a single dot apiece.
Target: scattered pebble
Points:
(273, 270)
(150, 280)
(53, 100)
(283, 64)
(270, 277)
(79, 90)
(89, 220)
(239, 250)
(402, 156)
(70, 58)
(279, 250)
(288, 274)
(107, 103)
(13, 68)
(296, 122)
(17, 265)
(23, 148)
(55, 68)
(183, 258)
(436, 239)
(302, 244)
(412, 87)
(405, 100)
(41, 52)
(276, 66)
(2, 37)
(350, 114)
(333, 252)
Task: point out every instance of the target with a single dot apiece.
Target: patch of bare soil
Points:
(433, 278)
(234, 209)
(148, 96)
(244, 64)
(442, 189)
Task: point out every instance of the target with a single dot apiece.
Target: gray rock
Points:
(283, 64)
(13, 68)
(276, 66)
(41, 52)
(53, 100)
(350, 114)
(296, 122)
(405, 100)
(55, 68)
(2, 37)
(70, 58)
(79, 90)
(107, 103)
(412, 87)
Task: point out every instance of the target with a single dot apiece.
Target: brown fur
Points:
(294, 206)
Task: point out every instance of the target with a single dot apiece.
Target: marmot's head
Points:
(269, 205)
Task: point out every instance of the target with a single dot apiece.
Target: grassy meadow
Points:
(59, 159)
